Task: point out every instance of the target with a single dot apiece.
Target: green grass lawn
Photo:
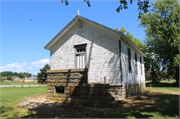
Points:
(10, 97)
(163, 85)
(18, 83)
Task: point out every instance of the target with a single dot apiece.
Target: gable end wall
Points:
(102, 55)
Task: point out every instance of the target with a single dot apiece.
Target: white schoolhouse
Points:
(109, 56)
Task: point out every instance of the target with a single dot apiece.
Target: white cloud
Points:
(40, 63)
(29, 67)
(20, 70)
(13, 67)
(36, 73)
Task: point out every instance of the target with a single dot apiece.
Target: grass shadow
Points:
(162, 84)
(5, 109)
(9, 112)
(149, 105)
(59, 110)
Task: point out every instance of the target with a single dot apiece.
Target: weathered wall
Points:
(93, 95)
(86, 94)
(131, 77)
(102, 55)
(121, 92)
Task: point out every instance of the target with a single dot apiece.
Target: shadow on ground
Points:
(4, 110)
(161, 84)
(150, 105)
(146, 105)
(57, 110)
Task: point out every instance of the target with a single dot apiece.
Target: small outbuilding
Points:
(92, 64)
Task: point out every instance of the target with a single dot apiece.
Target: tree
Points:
(10, 73)
(27, 74)
(42, 76)
(23, 76)
(9, 78)
(15, 74)
(7, 73)
(136, 41)
(162, 34)
(1, 78)
(142, 5)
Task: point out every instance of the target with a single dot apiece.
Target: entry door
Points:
(80, 60)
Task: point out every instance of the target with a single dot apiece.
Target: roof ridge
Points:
(118, 32)
(98, 24)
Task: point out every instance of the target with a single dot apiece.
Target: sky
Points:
(26, 26)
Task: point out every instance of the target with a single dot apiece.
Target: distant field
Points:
(163, 85)
(18, 83)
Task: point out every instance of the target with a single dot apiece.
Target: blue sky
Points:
(27, 26)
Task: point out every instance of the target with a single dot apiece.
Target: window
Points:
(80, 56)
(129, 59)
(59, 89)
(136, 67)
(120, 49)
(141, 65)
(81, 50)
(120, 61)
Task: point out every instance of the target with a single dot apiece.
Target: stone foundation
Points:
(118, 93)
(93, 95)
(71, 86)
(68, 79)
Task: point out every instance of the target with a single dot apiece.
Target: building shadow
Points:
(145, 105)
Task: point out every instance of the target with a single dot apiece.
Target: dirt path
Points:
(36, 99)
(42, 98)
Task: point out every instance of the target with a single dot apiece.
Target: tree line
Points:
(20, 74)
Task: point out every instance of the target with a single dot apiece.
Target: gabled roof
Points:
(76, 19)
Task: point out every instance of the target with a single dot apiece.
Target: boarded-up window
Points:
(120, 61)
(141, 65)
(129, 59)
(74, 91)
(136, 67)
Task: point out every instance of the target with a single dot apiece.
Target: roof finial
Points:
(78, 11)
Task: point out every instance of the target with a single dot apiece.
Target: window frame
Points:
(80, 53)
(55, 89)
